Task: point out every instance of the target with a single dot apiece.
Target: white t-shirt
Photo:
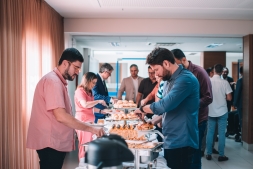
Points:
(220, 89)
(135, 82)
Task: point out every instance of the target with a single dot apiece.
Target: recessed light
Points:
(166, 44)
(214, 45)
(115, 44)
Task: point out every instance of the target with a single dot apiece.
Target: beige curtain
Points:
(31, 42)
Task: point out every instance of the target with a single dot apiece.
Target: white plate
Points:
(97, 125)
(110, 119)
(147, 130)
(135, 141)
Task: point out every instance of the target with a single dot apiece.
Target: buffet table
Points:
(144, 157)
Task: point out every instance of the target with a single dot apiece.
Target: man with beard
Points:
(51, 127)
(179, 108)
(206, 98)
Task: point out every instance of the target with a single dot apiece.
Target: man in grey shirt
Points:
(179, 108)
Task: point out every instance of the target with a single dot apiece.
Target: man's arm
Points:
(139, 94)
(229, 97)
(138, 98)
(228, 91)
(121, 89)
(206, 96)
(237, 92)
(98, 96)
(63, 117)
(176, 95)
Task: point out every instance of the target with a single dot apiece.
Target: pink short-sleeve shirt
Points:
(44, 130)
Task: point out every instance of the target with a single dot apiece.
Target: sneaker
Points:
(238, 140)
(215, 151)
(237, 136)
(222, 158)
(208, 157)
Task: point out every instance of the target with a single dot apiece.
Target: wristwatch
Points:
(141, 109)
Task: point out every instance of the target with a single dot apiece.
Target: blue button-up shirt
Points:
(179, 108)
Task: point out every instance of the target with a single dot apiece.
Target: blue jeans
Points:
(197, 154)
(179, 158)
(222, 124)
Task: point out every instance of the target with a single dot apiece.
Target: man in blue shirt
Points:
(179, 108)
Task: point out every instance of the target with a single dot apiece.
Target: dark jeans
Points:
(233, 123)
(179, 158)
(197, 155)
(51, 158)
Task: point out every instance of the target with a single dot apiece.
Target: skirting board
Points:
(247, 146)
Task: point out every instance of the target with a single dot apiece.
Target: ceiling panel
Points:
(195, 44)
(197, 9)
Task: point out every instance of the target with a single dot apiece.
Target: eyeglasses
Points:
(109, 73)
(151, 73)
(77, 68)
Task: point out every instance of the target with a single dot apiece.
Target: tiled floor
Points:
(239, 158)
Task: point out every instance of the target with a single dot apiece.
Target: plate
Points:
(148, 130)
(136, 141)
(110, 119)
(97, 125)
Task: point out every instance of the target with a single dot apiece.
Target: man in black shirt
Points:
(146, 87)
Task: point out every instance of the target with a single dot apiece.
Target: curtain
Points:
(31, 42)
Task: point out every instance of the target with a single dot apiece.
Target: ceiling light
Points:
(192, 53)
(166, 44)
(214, 45)
(115, 44)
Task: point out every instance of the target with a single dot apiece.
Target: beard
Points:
(166, 74)
(67, 76)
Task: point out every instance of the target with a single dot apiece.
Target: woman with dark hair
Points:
(84, 104)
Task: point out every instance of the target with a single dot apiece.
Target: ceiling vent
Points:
(192, 53)
(166, 44)
(214, 45)
(115, 44)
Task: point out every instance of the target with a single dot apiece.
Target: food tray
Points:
(158, 145)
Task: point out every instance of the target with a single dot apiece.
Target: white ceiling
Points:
(194, 9)
(198, 9)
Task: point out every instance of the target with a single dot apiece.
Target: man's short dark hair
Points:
(105, 67)
(208, 70)
(218, 68)
(241, 70)
(134, 65)
(71, 55)
(178, 54)
(158, 55)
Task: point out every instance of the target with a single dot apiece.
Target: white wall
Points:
(232, 57)
(159, 27)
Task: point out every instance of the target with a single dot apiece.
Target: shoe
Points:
(237, 136)
(238, 139)
(227, 134)
(217, 139)
(215, 151)
(222, 158)
(208, 157)
(202, 153)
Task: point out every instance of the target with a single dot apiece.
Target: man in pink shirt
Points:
(51, 127)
